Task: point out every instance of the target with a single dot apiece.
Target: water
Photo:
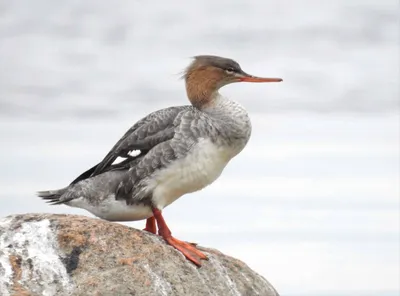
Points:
(311, 203)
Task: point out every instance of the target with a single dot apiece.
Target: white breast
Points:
(202, 166)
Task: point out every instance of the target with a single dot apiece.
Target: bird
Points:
(167, 154)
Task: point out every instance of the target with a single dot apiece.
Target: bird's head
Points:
(207, 74)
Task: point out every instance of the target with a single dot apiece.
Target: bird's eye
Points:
(230, 70)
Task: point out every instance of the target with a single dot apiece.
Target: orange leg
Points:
(187, 249)
(151, 225)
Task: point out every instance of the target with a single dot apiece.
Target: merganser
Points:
(181, 149)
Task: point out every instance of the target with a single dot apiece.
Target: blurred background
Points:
(312, 203)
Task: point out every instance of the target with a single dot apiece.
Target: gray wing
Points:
(189, 127)
(148, 132)
(155, 128)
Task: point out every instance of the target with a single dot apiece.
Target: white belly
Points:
(202, 166)
(113, 210)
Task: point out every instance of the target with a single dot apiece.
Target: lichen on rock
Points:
(44, 254)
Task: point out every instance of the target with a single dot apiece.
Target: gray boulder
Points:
(43, 254)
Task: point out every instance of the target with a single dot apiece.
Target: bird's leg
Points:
(188, 250)
(151, 225)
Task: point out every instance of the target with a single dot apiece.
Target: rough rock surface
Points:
(42, 254)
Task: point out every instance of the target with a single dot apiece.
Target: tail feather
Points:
(53, 197)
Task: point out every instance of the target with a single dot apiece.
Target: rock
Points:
(43, 254)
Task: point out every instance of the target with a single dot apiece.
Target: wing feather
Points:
(147, 133)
